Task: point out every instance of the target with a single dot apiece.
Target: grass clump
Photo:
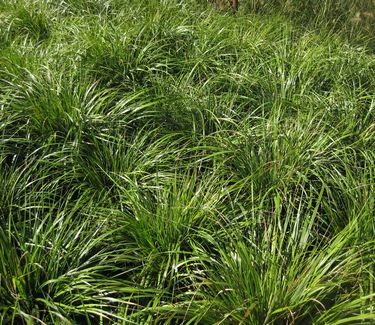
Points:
(171, 162)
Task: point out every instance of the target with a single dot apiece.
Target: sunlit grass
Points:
(170, 162)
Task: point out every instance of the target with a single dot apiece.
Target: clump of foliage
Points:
(168, 162)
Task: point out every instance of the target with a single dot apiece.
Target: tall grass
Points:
(170, 162)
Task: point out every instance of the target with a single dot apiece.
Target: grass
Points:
(170, 162)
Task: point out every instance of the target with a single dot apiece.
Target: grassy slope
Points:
(172, 163)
